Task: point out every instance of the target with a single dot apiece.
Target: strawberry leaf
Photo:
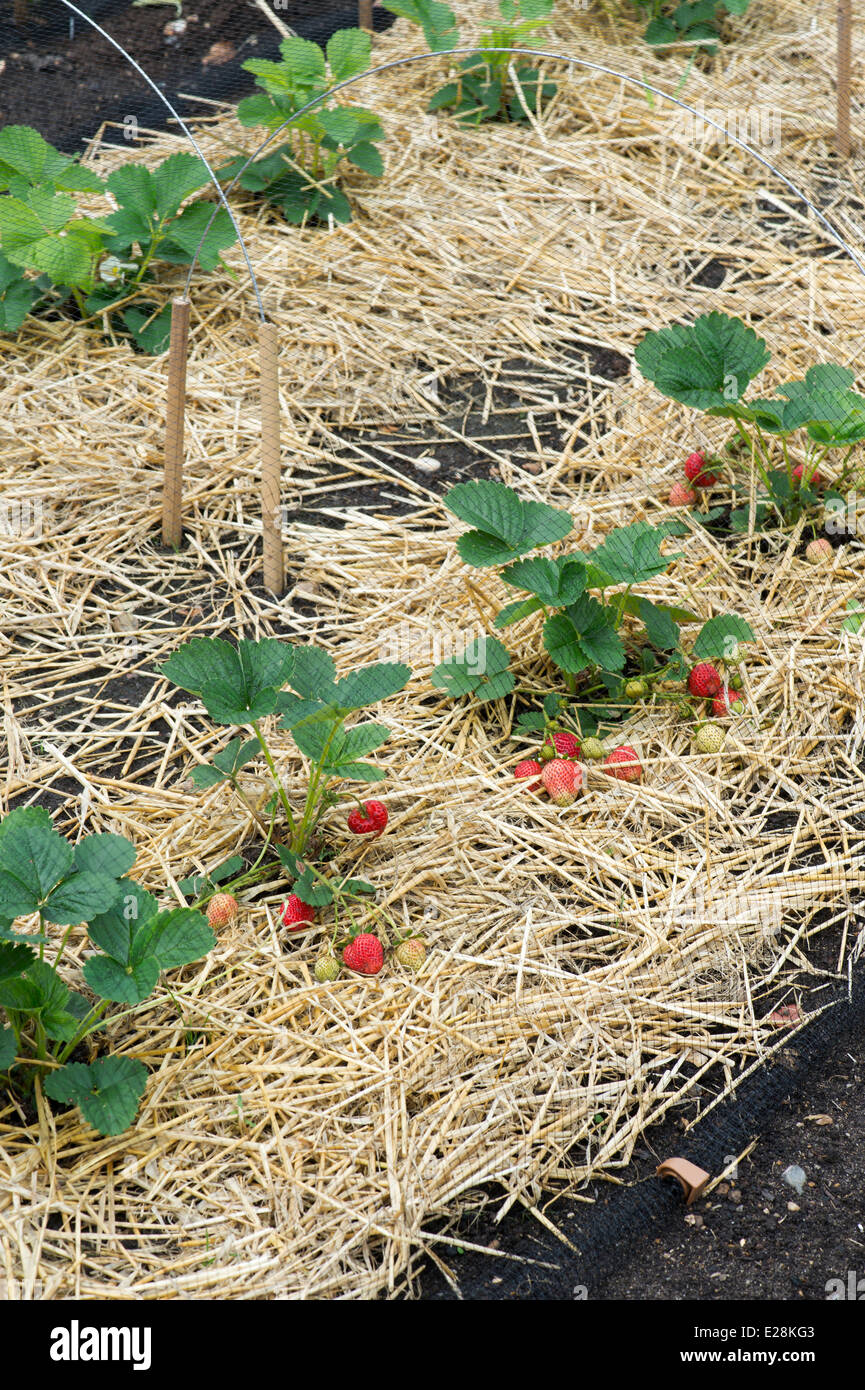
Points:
(112, 855)
(437, 20)
(237, 685)
(505, 526)
(107, 1091)
(480, 671)
(555, 582)
(8, 1049)
(707, 366)
(632, 554)
(719, 636)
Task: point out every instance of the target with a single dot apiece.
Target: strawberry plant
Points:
(487, 86)
(693, 21)
(52, 253)
(301, 176)
(54, 884)
(596, 630)
(787, 440)
(241, 687)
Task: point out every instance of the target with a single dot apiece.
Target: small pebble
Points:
(794, 1177)
(427, 465)
(793, 1206)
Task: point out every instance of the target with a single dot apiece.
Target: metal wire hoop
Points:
(531, 53)
(223, 198)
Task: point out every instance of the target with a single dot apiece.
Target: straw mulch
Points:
(589, 969)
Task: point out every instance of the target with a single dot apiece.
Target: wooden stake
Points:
(364, 14)
(172, 496)
(845, 29)
(271, 497)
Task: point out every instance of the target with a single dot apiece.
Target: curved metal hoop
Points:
(223, 198)
(557, 57)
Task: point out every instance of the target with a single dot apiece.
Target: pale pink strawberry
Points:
(682, 496)
(562, 780)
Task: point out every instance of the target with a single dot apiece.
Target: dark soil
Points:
(65, 79)
(754, 1237)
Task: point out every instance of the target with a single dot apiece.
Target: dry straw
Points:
(589, 970)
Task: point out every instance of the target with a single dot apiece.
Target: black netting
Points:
(66, 79)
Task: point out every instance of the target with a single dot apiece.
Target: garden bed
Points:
(306, 1140)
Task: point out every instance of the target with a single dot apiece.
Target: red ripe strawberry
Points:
(369, 821)
(695, 465)
(728, 702)
(682, 496)
(624, 764)
(296, 914)
(221, 909)
(816, 480)
(529, 768)
(365, 954)
(567, 746)
(562, 780)
(704, 681)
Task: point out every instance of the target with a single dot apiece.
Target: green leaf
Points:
(720, 635)
(555, 582)
(855, 616)
(480, 671)
(107, 1091)
(371, 684)
(437, 20)
(123, 984)
(505, 525)
(632, 554)
(114, 931)
(348, 53)
(152, 332)
(14, 960)
(133, 188)
(176, 937)
(313, 673)
(364, 155)
(33, 858)
(17, 296)
(227, 869)
(707, 366)
(237, 685)
(8, 1049)
(175, 179)
(312, 892)
(515, 612)
(661, 631)
(80, 897)
(227, 763)
(24, 151)
(583, 636)
(109, 855)
(187, 232)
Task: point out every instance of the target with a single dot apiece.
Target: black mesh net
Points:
(65, 79)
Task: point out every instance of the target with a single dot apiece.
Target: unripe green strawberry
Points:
(593, 750)
(327, 969)
(736, 681)
(548, 750)
(221, 909)
(636, 689)
(411, 953)
(710, 739)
